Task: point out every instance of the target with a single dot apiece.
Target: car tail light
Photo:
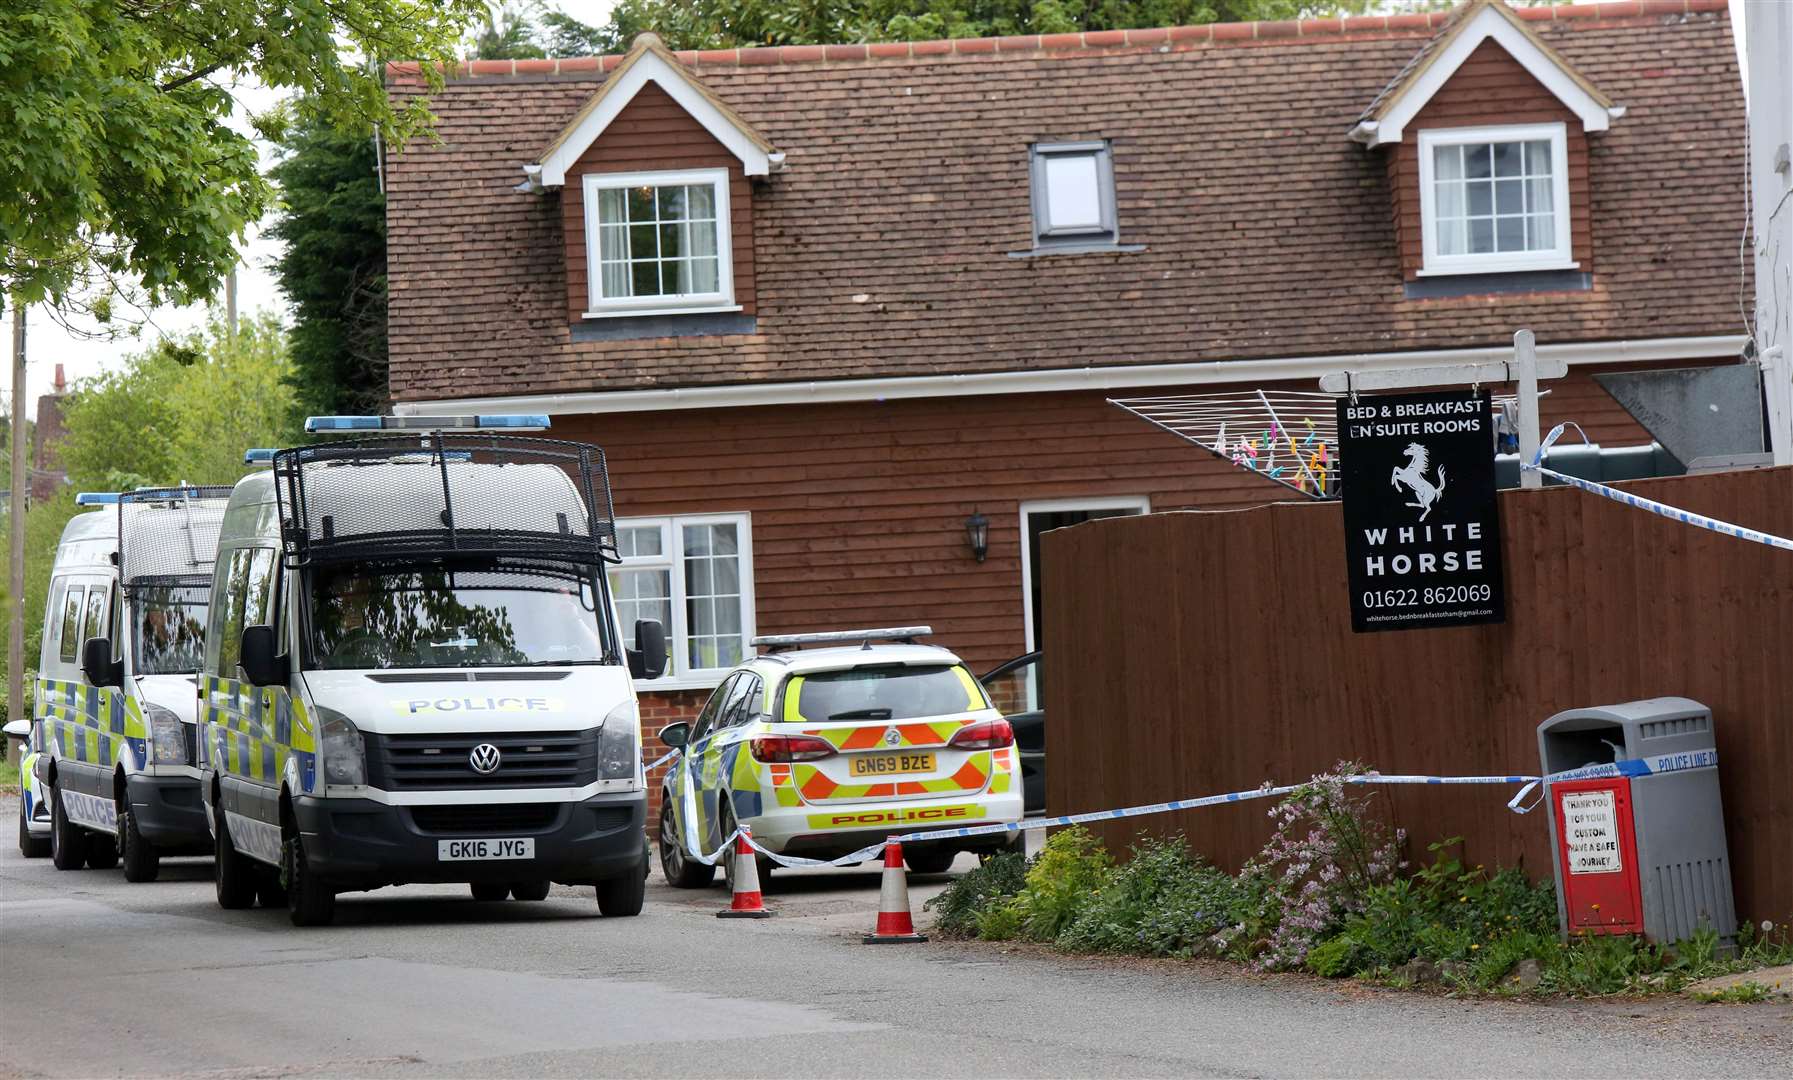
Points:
(788, 748)
(983, 735)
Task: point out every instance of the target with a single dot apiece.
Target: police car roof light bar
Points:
(262, 455)
(96, 498)
(480, 422)
(779, 642)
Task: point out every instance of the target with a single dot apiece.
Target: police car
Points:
(822, 751)
(34, 813)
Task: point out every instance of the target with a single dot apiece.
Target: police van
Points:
(413, 671)
(113, 731)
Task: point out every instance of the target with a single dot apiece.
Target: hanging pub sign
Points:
(1422, 535)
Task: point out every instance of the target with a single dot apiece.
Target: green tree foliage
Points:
(183, 411)
(721, 24)
(117, 166)
(332, 220)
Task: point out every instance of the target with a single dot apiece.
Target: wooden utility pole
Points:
(230, 304)
(15, 513)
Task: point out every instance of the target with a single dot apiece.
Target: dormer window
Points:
(1494, 199)
(658, 242)
(1073, 195)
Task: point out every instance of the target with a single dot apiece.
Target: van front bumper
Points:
(363, 844)
(169, 812)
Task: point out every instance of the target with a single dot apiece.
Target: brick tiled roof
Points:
(884, 248)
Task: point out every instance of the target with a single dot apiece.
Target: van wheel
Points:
(681, 872)
(142, 863)
(32, 847)
(102, 851)
(232, 872)
(623, 896)
(310, 900)
(68, 843)
(487, 892)
(530, 890)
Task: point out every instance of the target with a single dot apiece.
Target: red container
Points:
(1597, 856)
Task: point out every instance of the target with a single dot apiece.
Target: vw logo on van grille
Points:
(484, 758)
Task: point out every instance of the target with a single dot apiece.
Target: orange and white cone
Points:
(747, 902)
(894, 923)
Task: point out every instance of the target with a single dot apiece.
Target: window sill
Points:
(1511, 283)
(1496, 266)
(1078, 249)
(632, 313)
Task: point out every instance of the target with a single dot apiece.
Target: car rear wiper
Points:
(861, 714)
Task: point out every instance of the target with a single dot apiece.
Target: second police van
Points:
(112, 739)
(413, 672)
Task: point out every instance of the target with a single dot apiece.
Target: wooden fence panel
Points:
(1199, 652)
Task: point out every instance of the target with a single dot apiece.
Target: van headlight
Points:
(619, 744)
(345, 753)
(167, 736)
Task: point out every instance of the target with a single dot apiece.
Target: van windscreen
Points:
(168, 628)
(434, 617)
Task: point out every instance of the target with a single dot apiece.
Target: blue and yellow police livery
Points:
(413, 673)
(823, 751)
(112, 737)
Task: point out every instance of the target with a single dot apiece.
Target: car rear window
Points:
(887, 692)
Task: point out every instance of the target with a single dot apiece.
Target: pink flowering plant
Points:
(1327, 855)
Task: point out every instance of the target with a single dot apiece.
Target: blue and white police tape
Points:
(1705, 757)
(664, 758)
(1686, 517)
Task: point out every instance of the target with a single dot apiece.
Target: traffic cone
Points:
(747, 902)
(894, 922)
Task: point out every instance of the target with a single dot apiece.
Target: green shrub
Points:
(1494, 960)
(1191, 911)
(1068, 872)
(968, 898)
(1000, 922)
(1161, 902)
(1602, 964)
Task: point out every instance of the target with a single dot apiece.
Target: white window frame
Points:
(1559, 257)
(679, 675)
(602, 307)
(1139, 504)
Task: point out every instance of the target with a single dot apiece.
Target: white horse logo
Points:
(1412, 476)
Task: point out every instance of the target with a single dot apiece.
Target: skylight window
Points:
(1073, 194)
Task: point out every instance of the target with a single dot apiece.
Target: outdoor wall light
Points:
(977, 534)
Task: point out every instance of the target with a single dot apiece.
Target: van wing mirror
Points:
(648, 659)
(97, 664)
(261, 658)
(676, 735)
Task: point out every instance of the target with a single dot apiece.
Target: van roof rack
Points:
(478, 422)
(777, 643)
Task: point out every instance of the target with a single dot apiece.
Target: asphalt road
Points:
(105, 978)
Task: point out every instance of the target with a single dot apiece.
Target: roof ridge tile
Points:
(1313, 29)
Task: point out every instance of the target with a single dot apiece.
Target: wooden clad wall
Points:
(1200, 653)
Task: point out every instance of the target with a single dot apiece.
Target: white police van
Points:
(413, 671)
(112, 736)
